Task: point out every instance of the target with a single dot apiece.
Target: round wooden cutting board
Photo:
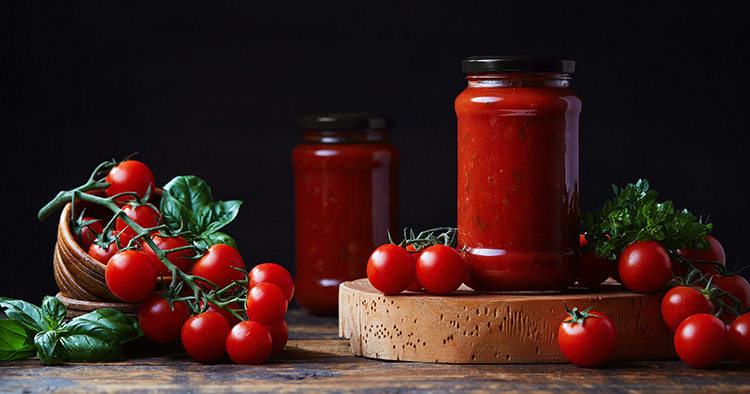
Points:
(469, 327)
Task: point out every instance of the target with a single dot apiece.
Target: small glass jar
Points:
(345, 185)
(518, 198)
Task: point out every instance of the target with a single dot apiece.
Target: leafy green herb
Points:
(187, 206)
(30, 330)
(635, 214)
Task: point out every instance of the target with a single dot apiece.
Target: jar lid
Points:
(346, 121)
(492, 64)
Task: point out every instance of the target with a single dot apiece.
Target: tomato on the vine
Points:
(129, 176)
(701, 340)
(739, 339)
(440, 269)
(102, 254)
(204, 336)
(681, 302)
(706, 260)
(266, 304)
(218, 265)
(279, 336)
(145, 216)
(249, 343)
(587, 338)
(180, 258)
(160, 322)
(89, 232)
(594, 270)
(272, 273)
(645, 267)
(737, 286)
(130, 275)
(390, 269)
(415, 286)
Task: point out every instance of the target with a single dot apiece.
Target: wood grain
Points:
(491, 328)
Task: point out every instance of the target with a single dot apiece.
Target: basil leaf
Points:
(220, 238)
(16, 342)
(28, 314)
(53, 312)
(218, 214)
(176, 215)
(45, 343)
(108, 324)
(82, 347)
(193, 192)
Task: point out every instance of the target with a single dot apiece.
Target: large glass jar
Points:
(345, 184)
(518, 198)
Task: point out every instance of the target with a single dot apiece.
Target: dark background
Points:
(215, 90)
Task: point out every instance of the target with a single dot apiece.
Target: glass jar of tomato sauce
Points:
(345, 185)
(518, 198)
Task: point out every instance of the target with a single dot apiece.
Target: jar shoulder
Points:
(471, 99)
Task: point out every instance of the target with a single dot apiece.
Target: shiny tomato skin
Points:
(216, 265)
(272, 273)
(738, 287)
(681, 302)
(390, 269)
(590, 343)
(160, 322)
(181, 258)
(231, 319)
(739, 339)
(90, 232)
(101, 254)
(701, 340)
(129, 176)
(440, 269)
(266, 304)
(706, 260)
(130, 275)
(144, 215)
(279, 336)
(415, 286)
(645, 267)
(249, 343)
(204, 336)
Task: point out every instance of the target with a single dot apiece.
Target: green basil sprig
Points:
(42, 331)
(187, 206)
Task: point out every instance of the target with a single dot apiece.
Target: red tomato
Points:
(705, 260)
(204, 336)
(145, 215)
(587, 338)
(101, 254)
(90, 232)
(266, 304)
(390, 269)
(231, 319)
(440, 269)
(645, 267)
(415, 286)
(701, 340)
(129, 176)
(130, 275)
(216, 265)
(736, 286)
(181, 258)
(739, 339)
(279, 336)
(272, 273)
(160, 322)
(249, 343)
(594, 269)
(681, 302)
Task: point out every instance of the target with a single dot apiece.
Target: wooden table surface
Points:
(317, 360)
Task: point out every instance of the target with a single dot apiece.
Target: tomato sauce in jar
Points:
(518, 198)
(345, 184)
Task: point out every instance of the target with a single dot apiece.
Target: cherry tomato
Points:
(89, 232)
(181, 258)
(279, 336)
(160, 322)
(266, 303)
(440, 269)
(415, 286)
(129, 176)
(701, 340)
(587, 338)
(249, 343)
(705, 260)
(736, 286)
(645, 267)
(145, 215)
(130, 275)
(272, 273)
(739, 339)
(216, 265)
(681, 302)
(231, 319)
(390, 269)
(594, 270)
(204, 336)
(101, 254)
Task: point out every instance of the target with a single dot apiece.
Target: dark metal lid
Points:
(346, 121)
(493, 64)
